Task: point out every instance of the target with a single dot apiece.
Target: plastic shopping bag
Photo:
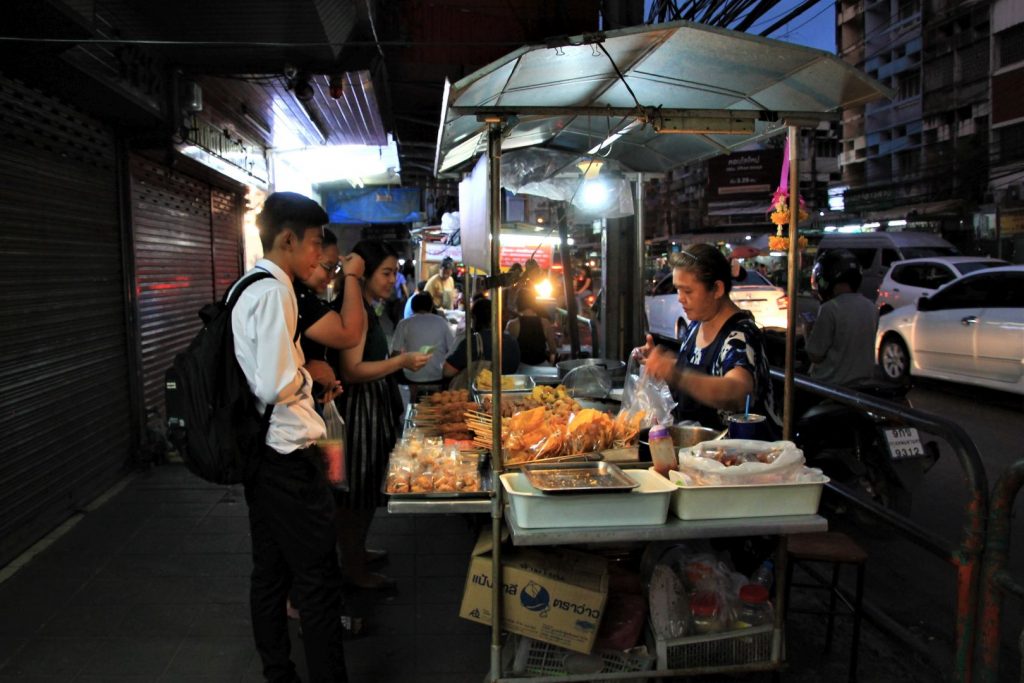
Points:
(332, 448)
(645, 402)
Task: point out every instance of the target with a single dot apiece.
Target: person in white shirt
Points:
(291, 509)
(423, 331)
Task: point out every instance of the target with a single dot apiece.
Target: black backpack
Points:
(212, 414)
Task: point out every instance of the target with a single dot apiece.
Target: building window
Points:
(908, 8)
(1011, 45)
(1010, 143)
(909, 85)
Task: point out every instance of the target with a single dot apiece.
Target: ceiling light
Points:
(336, 86)
(590, 168)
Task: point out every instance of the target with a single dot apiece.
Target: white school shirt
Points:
(263, 323)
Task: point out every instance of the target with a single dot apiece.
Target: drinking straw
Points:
(746, 412)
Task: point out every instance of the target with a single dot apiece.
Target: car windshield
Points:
(972, 266)
(927, 252)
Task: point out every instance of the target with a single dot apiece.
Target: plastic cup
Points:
(743, 426)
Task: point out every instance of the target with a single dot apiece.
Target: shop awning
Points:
(723, 87)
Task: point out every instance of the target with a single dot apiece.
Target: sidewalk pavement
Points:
(151, 584)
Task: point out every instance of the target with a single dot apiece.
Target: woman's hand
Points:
(642, 353)
(323, 374)
(661, 363)
(413, 361)
(331, 392)
(353, 264)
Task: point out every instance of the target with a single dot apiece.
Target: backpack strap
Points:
(240, 286)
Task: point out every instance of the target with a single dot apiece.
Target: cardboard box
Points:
(551, 594)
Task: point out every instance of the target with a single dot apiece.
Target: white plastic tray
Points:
(645, 505)
(753, 500)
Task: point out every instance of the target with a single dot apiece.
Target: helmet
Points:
(831, 268)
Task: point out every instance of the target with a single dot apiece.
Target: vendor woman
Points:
(722, 359)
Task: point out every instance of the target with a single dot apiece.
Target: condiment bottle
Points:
(663, 451)
(754, 609)
(706, 612)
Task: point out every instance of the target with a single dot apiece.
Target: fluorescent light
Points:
(821, 213)
(896, 224)
(871, 226)
(520, 240)
(850, 228)
(594, 193)
(830, 228)
(747, 237)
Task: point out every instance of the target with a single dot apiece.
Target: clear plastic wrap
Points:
(553, 174)
(740, 461)
(645, 402)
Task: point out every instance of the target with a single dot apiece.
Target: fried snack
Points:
(590, 430)
(627, 426)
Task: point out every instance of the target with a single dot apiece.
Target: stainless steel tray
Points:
(578, 477)
(521, 384)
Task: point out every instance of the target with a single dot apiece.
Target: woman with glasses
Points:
(322, 326)
(722, 359)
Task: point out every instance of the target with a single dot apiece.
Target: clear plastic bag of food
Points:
(642, 395)
(740, 461)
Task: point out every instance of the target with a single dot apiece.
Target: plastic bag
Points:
(332, 448)
(740, 461)
(645, 402)
(588, 381)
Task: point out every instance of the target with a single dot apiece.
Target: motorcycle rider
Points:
(841, 344)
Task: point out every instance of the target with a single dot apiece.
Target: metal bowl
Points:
(684, 436)
(616, 369)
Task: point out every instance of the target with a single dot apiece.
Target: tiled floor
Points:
(152, 585)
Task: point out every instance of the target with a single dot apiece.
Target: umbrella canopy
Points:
(617, 94)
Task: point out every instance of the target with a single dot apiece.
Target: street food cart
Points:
(650, 99)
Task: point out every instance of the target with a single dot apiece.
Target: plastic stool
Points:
(837, 549)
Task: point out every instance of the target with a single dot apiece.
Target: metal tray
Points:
(578, 477)
(521, 384)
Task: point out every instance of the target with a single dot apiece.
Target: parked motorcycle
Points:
(865, 451)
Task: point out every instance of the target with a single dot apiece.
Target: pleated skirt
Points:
(372, 414)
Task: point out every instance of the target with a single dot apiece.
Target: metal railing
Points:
(965, 558)
(996, 580)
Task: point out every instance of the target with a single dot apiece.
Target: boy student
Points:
(291, 510)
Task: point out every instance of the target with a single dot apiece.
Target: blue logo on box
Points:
(535, 597)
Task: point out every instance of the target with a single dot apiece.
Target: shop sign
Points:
(745, 174)
(1011, 222)
(236, 152)
(521, 254)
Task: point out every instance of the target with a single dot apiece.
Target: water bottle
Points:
(663, 451)
(765, 574)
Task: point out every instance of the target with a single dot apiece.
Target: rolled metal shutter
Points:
(65, 407)
(188, 252)
(226, 211)
(173, 266)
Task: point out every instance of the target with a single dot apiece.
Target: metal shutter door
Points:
(65, 408)
(173, 266)
(226, 210)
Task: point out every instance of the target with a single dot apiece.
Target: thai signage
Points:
(744, 175)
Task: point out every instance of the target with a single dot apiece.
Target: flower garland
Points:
(780, 210)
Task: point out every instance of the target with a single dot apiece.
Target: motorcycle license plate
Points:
(904, 443)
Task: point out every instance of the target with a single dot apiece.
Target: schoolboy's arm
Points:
(277, 376)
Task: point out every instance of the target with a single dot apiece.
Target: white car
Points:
(907, 281)
(971, 330)
(751, 291)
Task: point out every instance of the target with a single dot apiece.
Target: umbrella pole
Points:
(788, 418)
(497, 585)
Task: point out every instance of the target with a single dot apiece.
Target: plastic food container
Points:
(645, 505)
(516, 385)
(800, 497)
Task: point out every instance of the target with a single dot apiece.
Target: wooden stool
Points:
(837, 549)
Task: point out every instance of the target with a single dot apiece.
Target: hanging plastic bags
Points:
(332, 448)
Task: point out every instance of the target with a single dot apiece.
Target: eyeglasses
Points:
(332, 269)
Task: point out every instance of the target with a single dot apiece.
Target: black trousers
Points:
(291, 518)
